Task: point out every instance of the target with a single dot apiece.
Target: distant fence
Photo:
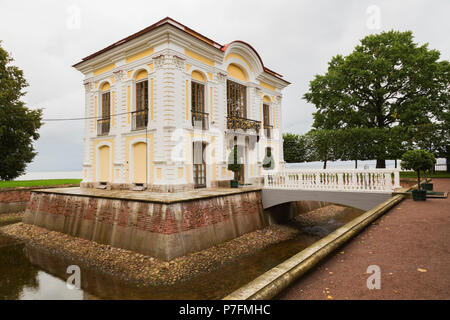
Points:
(440, 167)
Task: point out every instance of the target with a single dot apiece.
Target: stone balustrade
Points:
(382, 180)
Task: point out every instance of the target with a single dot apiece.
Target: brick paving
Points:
(410, 244)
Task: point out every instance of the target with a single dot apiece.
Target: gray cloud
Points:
(294, 38)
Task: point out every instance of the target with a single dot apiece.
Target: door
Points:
(199, 165)
(241, 155)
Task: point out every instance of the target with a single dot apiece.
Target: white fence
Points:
(383, 180)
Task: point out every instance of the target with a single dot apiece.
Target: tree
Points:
(325, 145)
(388, 80)
(295, 147)
(417, 160)
(18, 124)
(355, 142)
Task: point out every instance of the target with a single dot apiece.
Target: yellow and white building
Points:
(165, 106)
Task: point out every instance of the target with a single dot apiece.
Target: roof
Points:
(181, 27)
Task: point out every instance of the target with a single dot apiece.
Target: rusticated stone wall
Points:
(16, 199)
(162, 230)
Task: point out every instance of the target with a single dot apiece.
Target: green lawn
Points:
(37, 183)
(437, 174)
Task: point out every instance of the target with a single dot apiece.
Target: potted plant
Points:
(418, 160)
(427, 186)
(234, 166)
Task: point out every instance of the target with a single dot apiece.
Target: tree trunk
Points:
(356, 164)
(381, 164)
(325, 164)
(395, 163)
(447, 161)
(418, 180)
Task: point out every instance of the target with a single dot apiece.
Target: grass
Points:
(437, 174)
(37, 183)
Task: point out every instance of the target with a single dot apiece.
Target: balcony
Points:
(103, 126)
(200, 120)
(268, 131)
(236, 122)
(139, 119)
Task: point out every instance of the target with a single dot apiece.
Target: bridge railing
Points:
(383, 180)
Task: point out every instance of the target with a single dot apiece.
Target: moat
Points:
(30, 272)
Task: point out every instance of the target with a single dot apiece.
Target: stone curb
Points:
(274, 281)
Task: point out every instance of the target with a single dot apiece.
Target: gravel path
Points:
(410, 244)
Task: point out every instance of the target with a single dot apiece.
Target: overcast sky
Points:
(293, 38)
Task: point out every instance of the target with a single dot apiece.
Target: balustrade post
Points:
(397, 179)
(388, 181)
(340, 181)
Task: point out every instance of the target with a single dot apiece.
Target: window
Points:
(106, 104)
(266, 116)
(266, 120)
(103, 122)
(198, 99)
(236, 99)
(142, 95)
(140, 116)
(199, 116)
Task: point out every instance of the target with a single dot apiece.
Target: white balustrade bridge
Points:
(359, 188)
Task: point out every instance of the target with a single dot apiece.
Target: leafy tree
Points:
(295, 147)
(417, 160)
(387, 81)
(18, 124)
(325, 145)
(355, 142)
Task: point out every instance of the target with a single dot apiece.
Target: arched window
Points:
(237, 100)
(103, 124)
(266, 118)
(140, 115)
(199, 116)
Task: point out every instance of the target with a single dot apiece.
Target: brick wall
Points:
(165, 230)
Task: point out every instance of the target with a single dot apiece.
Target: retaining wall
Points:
(162, 230)
(16, 199)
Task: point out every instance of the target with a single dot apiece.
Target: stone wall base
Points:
(161, 230)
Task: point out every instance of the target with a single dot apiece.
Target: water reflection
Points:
(28, 272)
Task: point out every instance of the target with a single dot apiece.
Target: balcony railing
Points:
(200, 120)
(139, 119)
(236, 122)
(268, 131)
(103, 126)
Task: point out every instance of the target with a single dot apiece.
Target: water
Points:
(27, 272)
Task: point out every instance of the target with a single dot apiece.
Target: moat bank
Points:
(208, 274)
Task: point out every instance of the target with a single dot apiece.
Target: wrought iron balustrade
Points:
(236, 122)
(200, 120)
(139, 119)
(103, 126)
